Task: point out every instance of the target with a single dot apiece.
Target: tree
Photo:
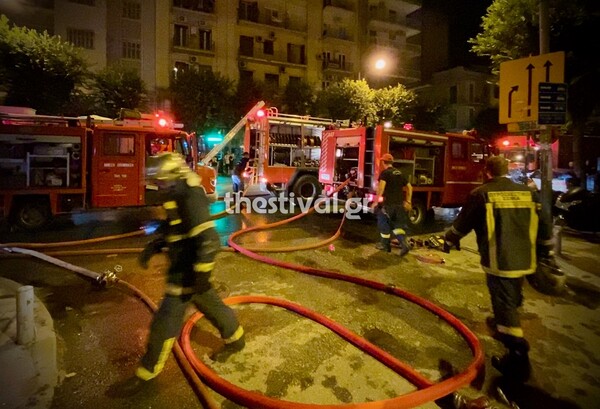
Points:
(347, 100)
(203, 100)
(298, 98)
(393, 104)
(510, 30)
(117, 87)
(38, 70)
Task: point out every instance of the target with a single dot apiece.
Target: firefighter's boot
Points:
(404, 246)
(127, 387)
(229, 349)
(384, 245)
(515, 364)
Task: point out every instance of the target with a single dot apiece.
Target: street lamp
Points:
(379, 65)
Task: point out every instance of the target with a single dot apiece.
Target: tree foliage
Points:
(117, 87)
(356, 101)
(298, 98)
(203, 100)
(38, 70)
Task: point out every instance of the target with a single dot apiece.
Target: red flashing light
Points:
(408, 127)
(505, 142)
(260, 113)
(162, 122)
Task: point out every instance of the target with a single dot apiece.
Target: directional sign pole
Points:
(545, 225)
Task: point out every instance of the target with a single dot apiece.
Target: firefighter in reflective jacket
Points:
(504, 216)
(191, 243)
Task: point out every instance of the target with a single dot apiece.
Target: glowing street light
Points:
(380, 64)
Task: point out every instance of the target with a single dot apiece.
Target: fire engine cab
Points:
(53, 164)
(442, 168)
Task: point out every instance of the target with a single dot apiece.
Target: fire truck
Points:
(53, 164)
(285, 151)
(442, 168)
(522, 152)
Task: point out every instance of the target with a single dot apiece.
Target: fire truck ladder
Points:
(230, 135)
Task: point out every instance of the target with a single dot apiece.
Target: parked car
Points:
(579, 209)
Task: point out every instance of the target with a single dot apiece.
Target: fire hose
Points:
(193, 366)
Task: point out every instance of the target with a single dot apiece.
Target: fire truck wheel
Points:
(307, 187)
(418, 215)
(32, 214)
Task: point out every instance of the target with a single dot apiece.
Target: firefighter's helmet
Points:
(166, 167)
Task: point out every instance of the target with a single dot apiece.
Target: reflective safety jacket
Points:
(191, 238)
(504, 216)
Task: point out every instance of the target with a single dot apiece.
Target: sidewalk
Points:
(29, 372)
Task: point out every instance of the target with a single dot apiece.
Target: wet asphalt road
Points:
(102, 332)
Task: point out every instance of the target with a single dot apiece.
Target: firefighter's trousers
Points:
(507, 296)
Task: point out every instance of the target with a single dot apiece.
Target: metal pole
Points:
(545, 151)
(25, 320)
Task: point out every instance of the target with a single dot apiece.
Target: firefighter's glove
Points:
(450, 240)
(154, 247)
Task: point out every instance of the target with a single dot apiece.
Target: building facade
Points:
(275, 41)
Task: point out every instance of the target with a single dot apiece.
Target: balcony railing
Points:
(279, 57)
(342, 4)
(338, 66)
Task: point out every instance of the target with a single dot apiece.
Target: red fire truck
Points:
(442, 168)
(522, 152)
(285, 151)
(51, 164)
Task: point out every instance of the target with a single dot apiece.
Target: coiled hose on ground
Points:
(195, 369)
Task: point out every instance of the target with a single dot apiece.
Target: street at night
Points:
(101, 332)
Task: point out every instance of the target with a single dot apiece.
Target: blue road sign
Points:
(552, 103)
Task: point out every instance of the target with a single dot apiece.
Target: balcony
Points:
(276, 57)
(269, 17)
(336, 65)
(340, 4)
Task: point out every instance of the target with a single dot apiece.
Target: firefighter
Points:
(191, 243)
(237, 176)
(504, 215)
(392, 206)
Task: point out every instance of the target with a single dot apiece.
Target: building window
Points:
(247, 46)
(86, 2)
(181, 36)
(294, 80)
(81, 38)
(471, 92)
(471, 116)
(268, 47)
(246, 76)
(119, 144)
(132, 50)
(132, 10)
(272, 79)
(296, 54)
(248, 10)
(453, 98)
(205, 37)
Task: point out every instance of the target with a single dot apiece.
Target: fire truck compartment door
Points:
(327, 162)
(116, 173)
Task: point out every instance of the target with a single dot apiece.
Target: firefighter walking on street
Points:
(504, 215)
(392, 206)
(191, 242)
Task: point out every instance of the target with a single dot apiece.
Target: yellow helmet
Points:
(166, 166)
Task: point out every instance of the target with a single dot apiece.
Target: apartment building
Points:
(275, 41)
(466, 92)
